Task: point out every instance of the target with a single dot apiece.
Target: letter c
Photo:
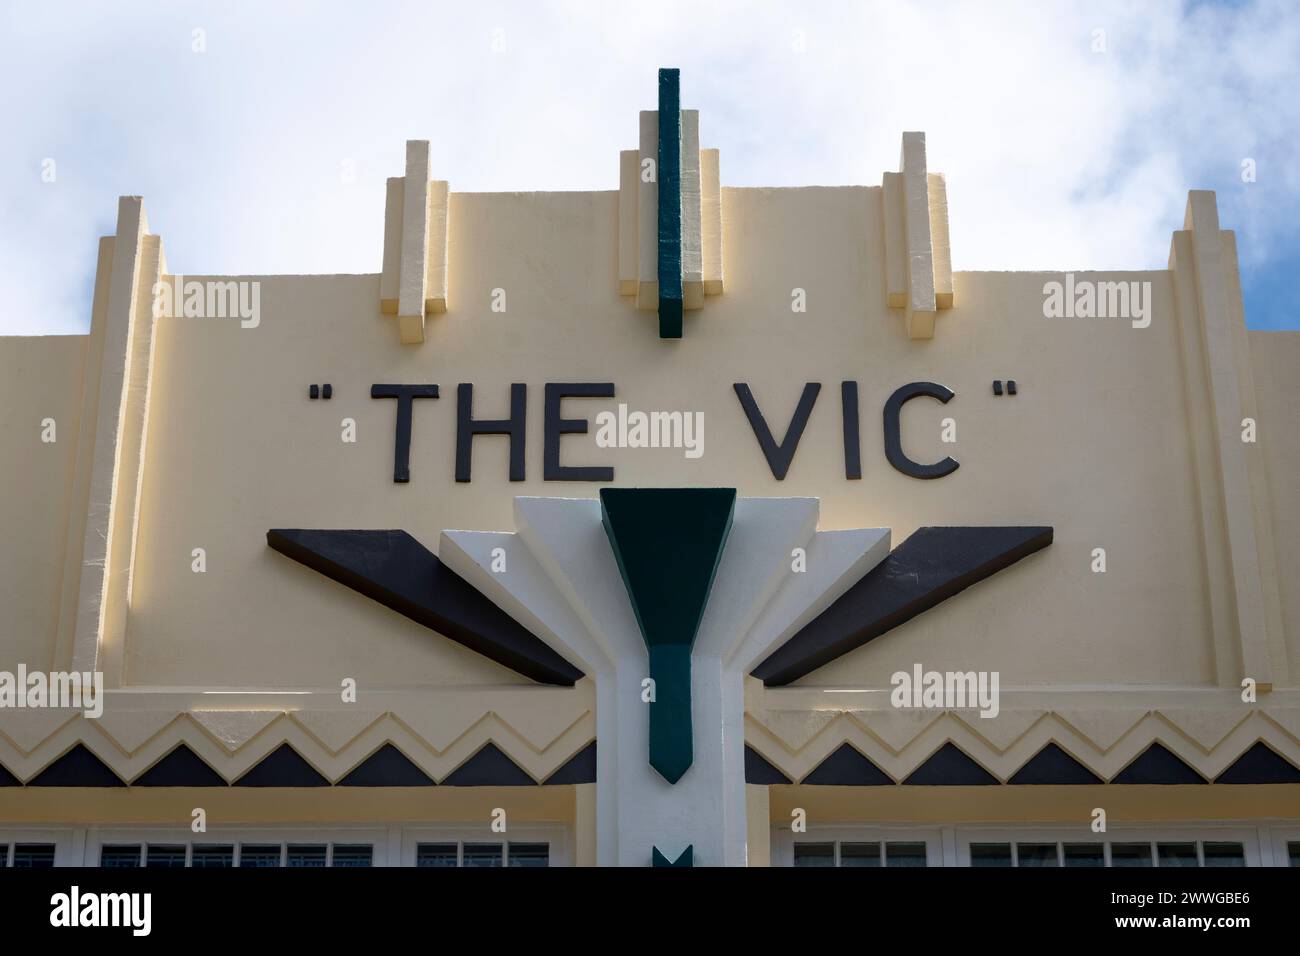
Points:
(894, 437)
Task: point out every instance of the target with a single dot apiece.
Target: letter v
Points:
(778, 456)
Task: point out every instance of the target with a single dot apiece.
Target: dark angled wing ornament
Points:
(926, 569)
(394, 569)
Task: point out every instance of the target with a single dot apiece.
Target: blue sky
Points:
(266, 151)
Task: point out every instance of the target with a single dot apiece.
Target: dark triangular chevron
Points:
(949, 766)
(386, 767)
(489, 768)
(77, 768)
(580, 768)
(1260, 764)
(929, 567)
(394, 569)
(759, 770)
(7, 779)
(847, 767)
(1157, 765)
(1053, 766)
(282, 767)
(180, 768)
(685, 860)
(667, 543)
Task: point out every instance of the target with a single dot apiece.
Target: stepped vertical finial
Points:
(918, 257)
(413, 282)
(669, 213)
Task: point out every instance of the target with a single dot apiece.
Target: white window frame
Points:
(1276, 836)
(1217, 832)
(66, 850)
(99, 837)
(557, 836)
(784, 839)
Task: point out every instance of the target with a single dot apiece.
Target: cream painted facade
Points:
(175, 434)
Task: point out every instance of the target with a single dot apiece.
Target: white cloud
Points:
(1056, 156)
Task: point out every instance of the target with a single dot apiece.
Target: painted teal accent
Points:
(671, 750)
(687, 858)
(668, 543)
(669, 176)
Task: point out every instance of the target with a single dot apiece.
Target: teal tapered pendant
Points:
(668, 543)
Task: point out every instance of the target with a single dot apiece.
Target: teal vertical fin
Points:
(669, 177)
(668, 542)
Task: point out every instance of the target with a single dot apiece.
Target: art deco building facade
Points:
(386, 569)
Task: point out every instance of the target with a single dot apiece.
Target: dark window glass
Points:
(439, 855)
(165, 857)
(255, 855)
(1177, 854)
(814, 854)
(207, 855)
(4, 855)
(482, 854)
(1036, 854)
(859, 854)
(1223, 854)
(528, 854)
(1085, 854)
(990, 854)
(120, 857)
(1293, 853)
(33, 856)
(1130, 854)
(353, 854)
(306, 855)
(904, 854)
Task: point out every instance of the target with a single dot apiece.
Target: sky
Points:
(261, 133)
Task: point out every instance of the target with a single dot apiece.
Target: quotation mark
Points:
(997, 386)
(325, 391)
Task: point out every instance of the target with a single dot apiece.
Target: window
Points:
(115, 857)
(306, 855)
(1178, 854)
(1084, 854)
(354, 854)
(482, 854)
(210, 855)
(1293, 852)
(250, 855)
(438, 855)
(1130, 854)
(1122, 853)
(528, 854)
(846, 853)
(860, 854)
(1223, 854)
(33, 856)
(814, 854)
(4, 855)
(450, 855)
(990, 854)
(165, 856)
(257, 855)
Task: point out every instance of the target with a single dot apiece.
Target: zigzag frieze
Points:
(333, 742)
(899, 742)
